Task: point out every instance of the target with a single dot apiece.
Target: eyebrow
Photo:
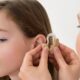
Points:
(3, 30)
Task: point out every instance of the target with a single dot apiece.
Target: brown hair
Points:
(30, 16)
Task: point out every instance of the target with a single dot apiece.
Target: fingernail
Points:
(62, 46)
(55, 48)
(45, 46)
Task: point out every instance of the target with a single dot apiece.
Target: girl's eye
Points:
(3, 40)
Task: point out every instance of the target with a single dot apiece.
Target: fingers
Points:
(69, 54)
(36, 58)
(44, 57)
(53, 61)
(64, 56)
(58, 56)
(65, 48)
(28, 60)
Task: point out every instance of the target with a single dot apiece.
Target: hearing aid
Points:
(52, 40)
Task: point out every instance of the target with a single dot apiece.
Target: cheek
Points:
(11, 57)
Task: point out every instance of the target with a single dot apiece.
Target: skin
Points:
(13, 46)
(30, 72)
(65, 60)
(68, 68)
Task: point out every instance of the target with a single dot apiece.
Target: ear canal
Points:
(37, 43)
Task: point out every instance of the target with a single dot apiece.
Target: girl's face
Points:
(13, 45)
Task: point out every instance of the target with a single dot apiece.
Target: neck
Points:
(14, 76)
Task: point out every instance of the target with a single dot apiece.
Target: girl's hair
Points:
(30, 16)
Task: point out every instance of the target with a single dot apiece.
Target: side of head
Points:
(25, 23)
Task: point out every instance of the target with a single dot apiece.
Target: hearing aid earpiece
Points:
(52, 40)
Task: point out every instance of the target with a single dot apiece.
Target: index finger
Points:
(69, 54)
(28, 59)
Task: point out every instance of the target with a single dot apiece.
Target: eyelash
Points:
(3, 40)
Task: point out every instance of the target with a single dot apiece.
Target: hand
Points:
(30, 72)
(66, 62)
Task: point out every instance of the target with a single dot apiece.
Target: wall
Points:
(63, 17)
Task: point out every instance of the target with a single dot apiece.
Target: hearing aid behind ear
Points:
(52, 40)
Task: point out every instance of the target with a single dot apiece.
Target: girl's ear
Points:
(39, 39)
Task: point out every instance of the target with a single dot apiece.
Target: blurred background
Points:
(63, 18)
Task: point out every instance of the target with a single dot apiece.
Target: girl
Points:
(24, 26)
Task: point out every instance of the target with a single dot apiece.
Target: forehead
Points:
(6, 23)
(4, 20)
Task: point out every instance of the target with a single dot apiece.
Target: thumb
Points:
(44, 57)
(28, 59)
